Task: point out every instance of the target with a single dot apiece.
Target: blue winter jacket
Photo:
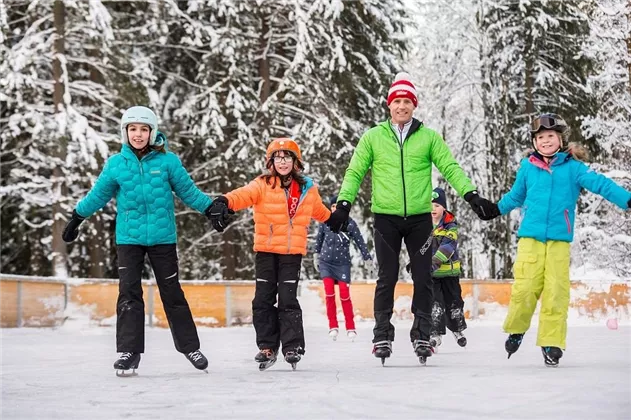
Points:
(144, 195)
(334, 251)
(547, 195)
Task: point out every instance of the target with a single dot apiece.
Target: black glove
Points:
(71, 231)
(485, 209)
(219, 214)
(339, 218)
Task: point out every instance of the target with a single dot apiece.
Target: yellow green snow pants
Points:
(541, 268)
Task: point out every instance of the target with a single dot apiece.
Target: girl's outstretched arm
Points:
(101, 193)
(517, 195)
(601, 185)
(320, 212)
(184, 187)
(246, 196)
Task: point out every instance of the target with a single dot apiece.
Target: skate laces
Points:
(515, 338)
(195, 355)
(421, 343)
(381, 345)
(126, 356)
(267, 352)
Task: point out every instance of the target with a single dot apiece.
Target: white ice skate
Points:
(352, 334)
(333, 333)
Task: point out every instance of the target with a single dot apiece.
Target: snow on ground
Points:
(67, 374)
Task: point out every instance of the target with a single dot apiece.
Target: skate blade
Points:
(293, 366)
(126, 373)
(383, 361)
(422, 360)
(266, 365)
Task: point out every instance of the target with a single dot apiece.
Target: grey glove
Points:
(316, 261)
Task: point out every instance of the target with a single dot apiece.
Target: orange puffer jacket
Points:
(273, 231)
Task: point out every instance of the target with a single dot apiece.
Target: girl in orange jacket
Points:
(284, 203)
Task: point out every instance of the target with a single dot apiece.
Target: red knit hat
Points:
(402, 87)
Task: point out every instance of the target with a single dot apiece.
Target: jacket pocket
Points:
(524, 266)
(566, 213)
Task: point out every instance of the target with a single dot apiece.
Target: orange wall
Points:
(43, 303)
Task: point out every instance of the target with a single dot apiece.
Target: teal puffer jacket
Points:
(144, 195)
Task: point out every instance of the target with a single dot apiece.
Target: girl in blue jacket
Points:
(547, 188)
(332, 258)
(143, 178)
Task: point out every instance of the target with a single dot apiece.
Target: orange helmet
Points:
(283, 144)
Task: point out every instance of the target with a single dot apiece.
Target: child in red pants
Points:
(332, 259)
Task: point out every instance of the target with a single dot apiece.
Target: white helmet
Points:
(139, 115)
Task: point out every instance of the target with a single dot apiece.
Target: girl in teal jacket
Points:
(547, 189)
(143, 178)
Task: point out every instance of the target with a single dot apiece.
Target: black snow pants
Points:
(130, 309)
(447, 309)
(277, 275)
(416, 232)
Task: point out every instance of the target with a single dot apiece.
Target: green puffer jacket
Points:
(402, 176)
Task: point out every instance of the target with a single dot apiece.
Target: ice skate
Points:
(198, 360)
(333, 333)
(382, 350)
(512, 343)
(351, 334)
(293, 357)
(460, 338)
(551, 356)
(423, 350)
(126, 363)
(265, 358)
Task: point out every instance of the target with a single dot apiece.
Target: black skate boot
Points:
(293, 357)
(551, 356)
(198, 360)
(382, 350)
(265, 358)
(128, 361)
(460, 338)
(512, 343)
(423, 350)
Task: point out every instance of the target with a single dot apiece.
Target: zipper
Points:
(567, 221)
(405, 205)
(142, 185)
(126, 215)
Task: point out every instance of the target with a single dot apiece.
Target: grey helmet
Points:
(139, 115)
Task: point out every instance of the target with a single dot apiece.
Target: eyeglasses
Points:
(547, 121)
(283, 159)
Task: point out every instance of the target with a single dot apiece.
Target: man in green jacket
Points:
(400, 153)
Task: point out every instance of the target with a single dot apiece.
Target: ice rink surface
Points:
(67, 374)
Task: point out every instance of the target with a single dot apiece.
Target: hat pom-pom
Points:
(402, 76)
